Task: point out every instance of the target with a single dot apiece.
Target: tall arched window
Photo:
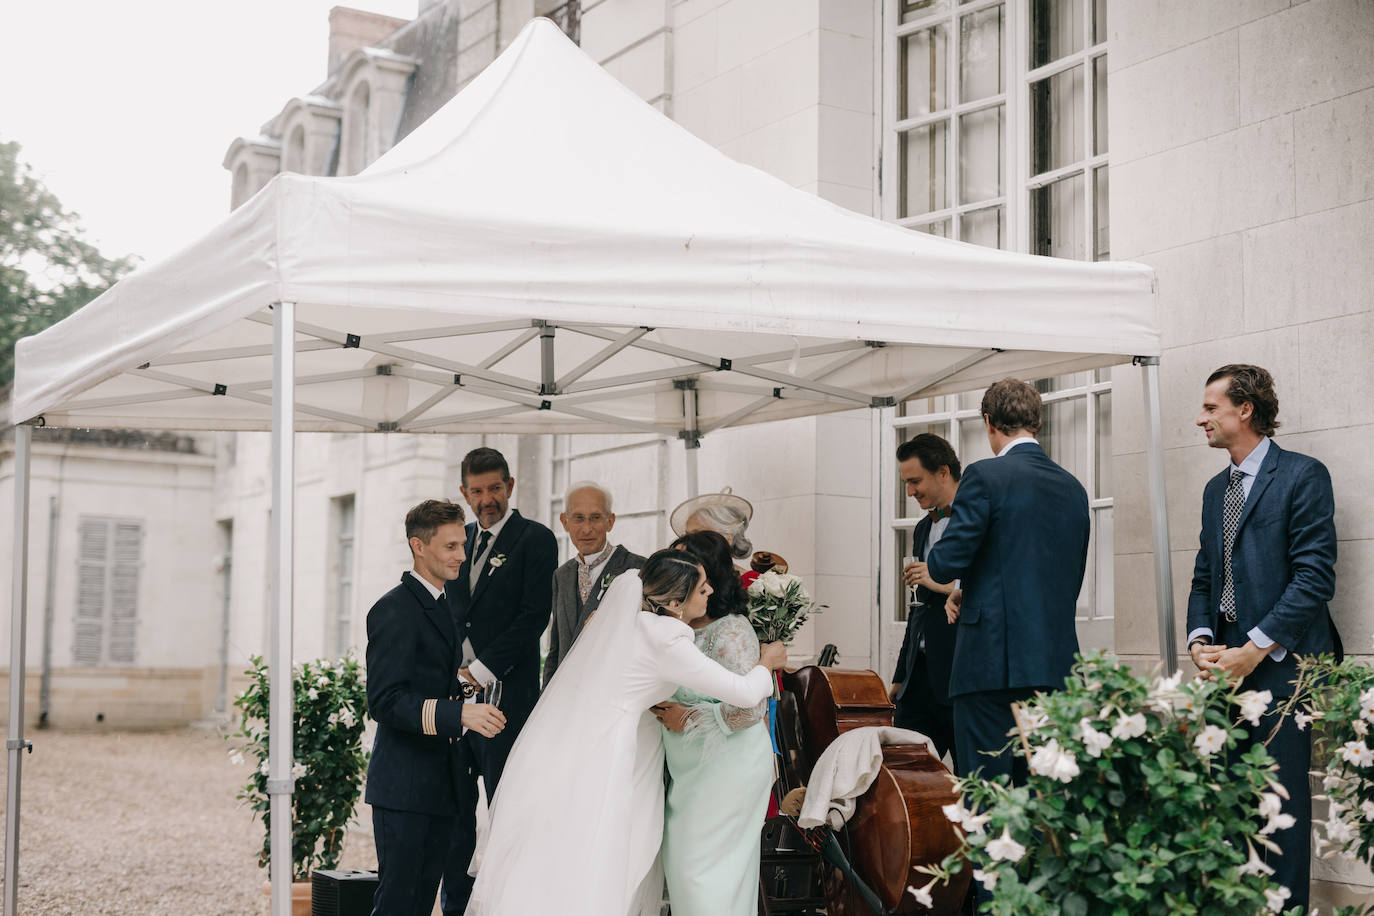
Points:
(239, 191)
(293, 158)
(358, 144)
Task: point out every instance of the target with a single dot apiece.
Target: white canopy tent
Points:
(550, 254)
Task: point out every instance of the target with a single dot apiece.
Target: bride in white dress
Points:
(578, 817)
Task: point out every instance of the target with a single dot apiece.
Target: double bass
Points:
(897, 824)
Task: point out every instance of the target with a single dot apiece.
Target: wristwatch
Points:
(1198, 641)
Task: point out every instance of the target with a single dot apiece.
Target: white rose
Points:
(772, 584)
(297, 770)
(1093, 740)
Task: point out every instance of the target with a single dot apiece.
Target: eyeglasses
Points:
(596, 519)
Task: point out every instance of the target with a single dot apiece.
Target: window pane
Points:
(1099, 21)
(1057, 121)
(1104, 445)
(1057, 218)
(1056, 30)
(1063, 435)
(984, 227)
(980, 54)
(980, 155)
(940, 227)
(910, 10)
(1102, 248)
(923, 68)
(1100, 105)
(973, 441)
(923, 169)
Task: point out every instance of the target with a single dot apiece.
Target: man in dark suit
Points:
(501, 599)
(1018, 541)
(579, 584)
(920, 685)
(1265, 570)
(413, 693)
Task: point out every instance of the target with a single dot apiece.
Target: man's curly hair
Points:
(1255, 386)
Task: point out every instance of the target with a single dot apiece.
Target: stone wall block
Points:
(1192, 89)
(1309, 54)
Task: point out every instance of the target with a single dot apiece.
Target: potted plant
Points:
(328, 760)
(1132, 804)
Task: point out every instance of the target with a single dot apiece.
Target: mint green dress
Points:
(721, 773)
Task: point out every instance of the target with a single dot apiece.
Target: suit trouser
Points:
(981, 723)
(1291, 748)
(478, 756)
(919, 709)
(410, 859)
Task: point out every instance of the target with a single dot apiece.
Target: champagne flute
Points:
(494, 694)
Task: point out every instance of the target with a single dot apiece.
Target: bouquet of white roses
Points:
(778, 606)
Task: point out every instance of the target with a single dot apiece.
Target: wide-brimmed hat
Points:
(678, 520)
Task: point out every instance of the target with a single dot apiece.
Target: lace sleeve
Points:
(736, 648)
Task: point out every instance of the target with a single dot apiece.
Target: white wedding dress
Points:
(577, 821)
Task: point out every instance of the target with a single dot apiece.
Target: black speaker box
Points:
(342, 893)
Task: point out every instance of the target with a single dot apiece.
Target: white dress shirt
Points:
(1013, 443)
(1250, 468)
(480, 672)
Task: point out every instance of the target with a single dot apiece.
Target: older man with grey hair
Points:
(579, 584)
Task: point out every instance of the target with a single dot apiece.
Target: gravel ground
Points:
(144, 823)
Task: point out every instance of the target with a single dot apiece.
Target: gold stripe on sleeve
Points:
(427, 717)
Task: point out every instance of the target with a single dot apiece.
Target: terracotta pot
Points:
(300, 896)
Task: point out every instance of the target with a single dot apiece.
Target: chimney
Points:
(351, 29)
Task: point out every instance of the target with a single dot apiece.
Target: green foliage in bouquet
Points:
(778, 606)
(1133, 805)
(329, 761)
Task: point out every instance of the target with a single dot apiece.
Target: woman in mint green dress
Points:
(720, 761)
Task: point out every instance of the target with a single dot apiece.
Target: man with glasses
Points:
(579, 583)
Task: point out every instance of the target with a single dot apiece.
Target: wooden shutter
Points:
(127, 554)
(109, 557)
(89, 638)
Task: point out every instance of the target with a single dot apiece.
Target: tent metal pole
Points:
(280, 784)
(1159, 511)
(691, 434)
(19, 594)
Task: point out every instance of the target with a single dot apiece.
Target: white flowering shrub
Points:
(1337, 702)
(1136, 803)
(328, 760)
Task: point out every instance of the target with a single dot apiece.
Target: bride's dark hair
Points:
(727, 594)
(669, 575)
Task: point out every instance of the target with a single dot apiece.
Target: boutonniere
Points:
(606, 581)
(495, 563)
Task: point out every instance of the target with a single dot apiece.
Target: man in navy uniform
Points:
(501, 599)
(414, 694)
(920, 684)
(1018, 541)
(1265, 569)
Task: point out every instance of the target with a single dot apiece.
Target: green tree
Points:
(47, 269)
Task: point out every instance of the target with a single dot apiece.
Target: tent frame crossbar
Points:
(211, 388)
(944, 374)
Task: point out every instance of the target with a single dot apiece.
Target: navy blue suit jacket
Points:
(1018, 538)
(412, 657)
(1283, 563)
(507, 613)
(926, 618)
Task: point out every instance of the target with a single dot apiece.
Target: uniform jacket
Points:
(413, 693)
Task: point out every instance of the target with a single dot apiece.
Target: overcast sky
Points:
(125, 108)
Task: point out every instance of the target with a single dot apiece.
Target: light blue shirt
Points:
(1250, 468)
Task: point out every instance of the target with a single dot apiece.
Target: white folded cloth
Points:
(846, 769)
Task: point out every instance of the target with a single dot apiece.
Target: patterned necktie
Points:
(1232, 504)
(584, 571)
(483, 540)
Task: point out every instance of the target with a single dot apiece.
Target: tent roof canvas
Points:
(548, 253)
